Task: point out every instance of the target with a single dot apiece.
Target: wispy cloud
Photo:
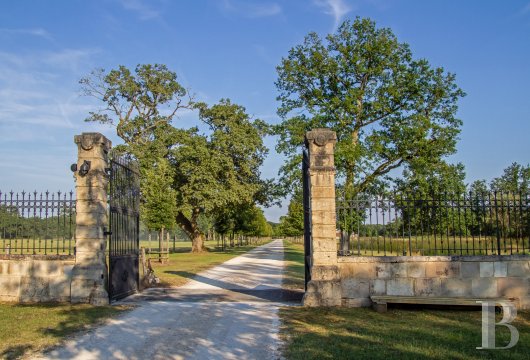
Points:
(335, 8)
(39, 32)
(33, 95)
(141, 8)
(252, 9)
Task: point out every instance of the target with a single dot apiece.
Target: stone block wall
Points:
(77, 279)
(350, 281)
(28, 279)
(434, 276)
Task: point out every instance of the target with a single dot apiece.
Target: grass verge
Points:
(183, 266)
(29, 328)
(361, 333)
(294, 277)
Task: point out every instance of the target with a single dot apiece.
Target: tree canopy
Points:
(292, 224)
(388, 109)
(435, 180)
(185, 173)
(515, 179)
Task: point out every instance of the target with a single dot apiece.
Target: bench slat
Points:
(384, 299)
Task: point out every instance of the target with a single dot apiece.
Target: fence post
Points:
(90, 274)
(324, 287)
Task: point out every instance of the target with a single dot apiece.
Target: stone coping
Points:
(36, 257)
(402, 259)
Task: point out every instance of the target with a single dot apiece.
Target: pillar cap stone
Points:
(88, 140)
(320, 137)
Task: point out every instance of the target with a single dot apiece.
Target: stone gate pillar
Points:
(89, 276)
(324, 287)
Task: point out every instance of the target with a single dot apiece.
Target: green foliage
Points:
(292, 224)
(515, 179)
(158, 209)
(141, 101)
(437, 179)
(387, 108)
(220, 170)
(186, 175)
(247, 219)
(36, 226)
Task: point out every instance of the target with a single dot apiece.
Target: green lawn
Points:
(184, 265)
(294, 266)
(361, 333)
(29, 328)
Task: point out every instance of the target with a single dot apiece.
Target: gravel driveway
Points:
(227, 312)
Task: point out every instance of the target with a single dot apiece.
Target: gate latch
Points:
(107, 233)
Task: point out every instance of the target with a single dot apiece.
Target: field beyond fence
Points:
(34, 223)
(466, 224)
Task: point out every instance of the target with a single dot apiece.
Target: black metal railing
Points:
(34, 223)
(124, 206)
(466, 224)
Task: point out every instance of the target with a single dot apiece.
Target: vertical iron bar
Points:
(409, 221)
(509, 230)
(377, 223)
(518, 211)
(497, 222)
(384, 224)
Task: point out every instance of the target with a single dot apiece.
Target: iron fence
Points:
(466, 224)
(37, 223)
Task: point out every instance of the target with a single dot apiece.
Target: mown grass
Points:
(411, 333)
(28, 328)
(361, 333)
(184, 265)
(294, 277)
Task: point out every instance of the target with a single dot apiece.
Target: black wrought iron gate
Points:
(124, 221)
(307, 217)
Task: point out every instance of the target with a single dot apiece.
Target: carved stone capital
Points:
(87, 141)
(320, 137)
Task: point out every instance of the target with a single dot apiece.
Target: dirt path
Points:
(227, 312)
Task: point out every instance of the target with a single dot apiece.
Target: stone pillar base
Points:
(87, 287)
(322, 293)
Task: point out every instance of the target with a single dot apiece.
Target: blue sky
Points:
(230, 48)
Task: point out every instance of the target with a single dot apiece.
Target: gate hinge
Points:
(108, 233)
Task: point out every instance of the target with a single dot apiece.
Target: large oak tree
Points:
(186, 174)
(389, 110)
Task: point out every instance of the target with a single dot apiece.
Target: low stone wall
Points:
(434, 276)
(350, 281)
(28, 279)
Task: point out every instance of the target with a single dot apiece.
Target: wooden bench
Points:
(379, 302)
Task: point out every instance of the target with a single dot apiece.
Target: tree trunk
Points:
(191, 228)
(197, 243)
